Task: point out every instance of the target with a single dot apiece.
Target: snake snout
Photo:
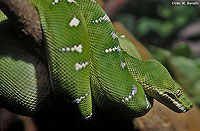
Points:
(178, 103)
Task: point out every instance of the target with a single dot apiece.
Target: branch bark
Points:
(24, 19)
(161, 118)
(112, 7)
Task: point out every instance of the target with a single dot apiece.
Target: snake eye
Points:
(178, 93)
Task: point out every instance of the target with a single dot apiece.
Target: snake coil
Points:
(88, 64)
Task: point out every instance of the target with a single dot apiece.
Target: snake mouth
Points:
(176, 104)
(171, 101)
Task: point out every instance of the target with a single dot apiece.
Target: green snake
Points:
(88, 64)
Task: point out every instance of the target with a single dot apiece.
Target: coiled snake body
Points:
(88, 63)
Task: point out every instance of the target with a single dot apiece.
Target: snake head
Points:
(158, 83)
(174, 98)
(155, 79)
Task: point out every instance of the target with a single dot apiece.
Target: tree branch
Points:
(24, 18)
(112, 7)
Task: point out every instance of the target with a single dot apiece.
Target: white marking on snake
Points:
(74, 22)
(104, 18)
(68, 49)
(133, 93)
(63, 49)
(80, 65)
(147, 102)
(93, 1)
(112, 49)
(122, 36)
(78, 100)
(118, 48)
(123, 64)
(72, 1)
(78, 48)
(74, 48)
(183, 109)
(113, 34)
(55, 1)
(87, 117)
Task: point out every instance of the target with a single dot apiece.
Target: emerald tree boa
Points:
(88, 64)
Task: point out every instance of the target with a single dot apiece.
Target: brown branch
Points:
(112, 7)
(24, 18)
(161, 118)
